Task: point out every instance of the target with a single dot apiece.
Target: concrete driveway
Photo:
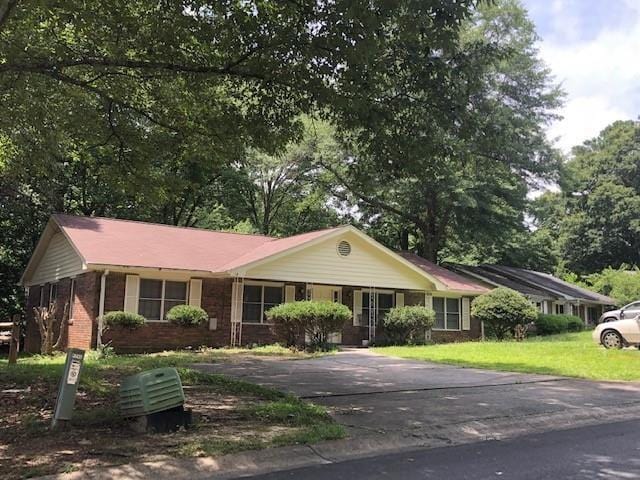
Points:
(378, 395)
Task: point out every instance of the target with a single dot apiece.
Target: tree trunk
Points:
(404, 239)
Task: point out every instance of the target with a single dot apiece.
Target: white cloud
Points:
(601, 77)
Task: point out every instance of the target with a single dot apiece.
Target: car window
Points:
(633, 306)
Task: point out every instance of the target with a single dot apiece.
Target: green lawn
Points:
(230, 415)
(571, 355)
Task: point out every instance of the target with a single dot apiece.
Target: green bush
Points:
(294, 321)
(547, 324)
(407, 325)
(575, 324)
(501, 310)
(123, 319)
(187, 316)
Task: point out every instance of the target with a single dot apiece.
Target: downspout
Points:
(103, 287)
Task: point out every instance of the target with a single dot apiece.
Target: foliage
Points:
(123, 319)
(501, 310)
(594, 218)
(294, 321)
(187, 316)
(407, 325)
(570, 355)
(574, 324)
(622, 283)
(456, 144)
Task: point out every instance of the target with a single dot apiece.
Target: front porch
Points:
(251, 298)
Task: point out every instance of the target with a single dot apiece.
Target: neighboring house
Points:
(548, 293)
(97, 265)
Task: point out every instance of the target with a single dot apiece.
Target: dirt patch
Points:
(229, 416)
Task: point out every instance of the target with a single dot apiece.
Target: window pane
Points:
(273, 295)
(252, 293)
(150, 288)
(149, 309)
(365, 299)
(251, 312)
(438, 304)
(175, 291)
(453, 305)
(414, 298)
(385, 300)
(453, 321)
(439, 320)
(169, 304)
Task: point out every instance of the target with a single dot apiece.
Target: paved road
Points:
(381, 396)
(607, 452)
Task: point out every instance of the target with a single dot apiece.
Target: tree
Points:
(284, 194)
(595, 217)
(453, 150)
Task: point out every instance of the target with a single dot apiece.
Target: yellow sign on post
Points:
(68, 386)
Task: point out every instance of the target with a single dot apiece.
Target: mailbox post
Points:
(68, 386)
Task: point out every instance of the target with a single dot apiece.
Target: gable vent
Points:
(344, 248)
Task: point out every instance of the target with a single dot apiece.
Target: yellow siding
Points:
(59, 260)
(366, 265)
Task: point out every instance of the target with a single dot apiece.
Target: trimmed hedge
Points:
(501, 310)
(123, 319)
(548, 324)
(407, 325)
(294, 321)
(187, 316)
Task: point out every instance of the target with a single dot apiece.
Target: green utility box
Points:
(150, 392)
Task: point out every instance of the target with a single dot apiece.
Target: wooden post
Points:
(14, 346)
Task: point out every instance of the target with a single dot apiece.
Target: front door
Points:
(328, 293)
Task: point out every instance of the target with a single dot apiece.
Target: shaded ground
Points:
(230, 415)
(570, 355)
(604, 451)
(378, 395)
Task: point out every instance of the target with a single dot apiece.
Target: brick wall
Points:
(155, 336)
(80, 329)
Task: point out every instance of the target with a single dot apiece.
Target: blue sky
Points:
(593, 49)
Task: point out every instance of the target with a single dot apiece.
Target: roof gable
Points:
(369, 264)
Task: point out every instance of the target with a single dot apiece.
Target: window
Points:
(559, 309)
(447, 313)
(72, 296)
(53, 292)
(382, 303)
(257, 299)
(157, 297)
(44, 296)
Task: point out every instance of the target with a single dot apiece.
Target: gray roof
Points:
(532, 283)
(496, 279)
(549, 282)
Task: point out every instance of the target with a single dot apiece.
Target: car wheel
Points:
(611, 339)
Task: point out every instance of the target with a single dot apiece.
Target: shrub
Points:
(551, 324)
(575, 324)
(123, 319)
(501, 310)
(187, 316)
(407, 325)
(294, 321)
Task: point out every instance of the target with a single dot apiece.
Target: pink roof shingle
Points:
(448, 278)
(106, 241)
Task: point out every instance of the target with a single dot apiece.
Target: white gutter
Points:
(103, 287)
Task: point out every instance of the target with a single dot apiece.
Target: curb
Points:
(297, 456)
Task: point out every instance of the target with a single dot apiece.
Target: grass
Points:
(231, 415)
(570, 355)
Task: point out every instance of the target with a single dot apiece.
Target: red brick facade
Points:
(81, 327)
(155, 336)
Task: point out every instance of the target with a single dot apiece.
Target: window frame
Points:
(262, 285)
(445, 312)
(162, 297)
